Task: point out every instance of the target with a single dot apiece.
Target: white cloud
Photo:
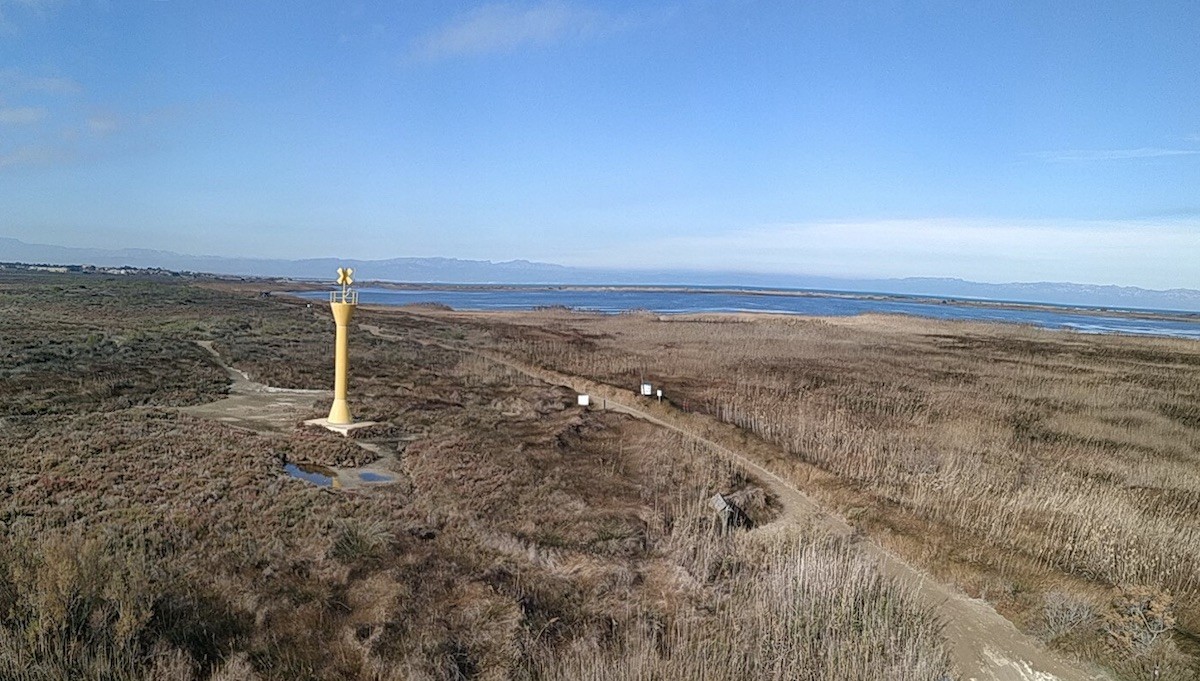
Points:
(58, 86)
(504, 27)
(1145, 253)
(103, 125)
(37, 8)
(1073, 155)
(33, 156)
(23, 115)
(15, 79)
(40, 6)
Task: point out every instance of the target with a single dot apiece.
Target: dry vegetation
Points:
(1055, 474)
(528, 539)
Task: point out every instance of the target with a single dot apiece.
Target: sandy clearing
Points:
(260, 407)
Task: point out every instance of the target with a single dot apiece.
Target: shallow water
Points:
(328, 477)
(317, 475)
(683, 301)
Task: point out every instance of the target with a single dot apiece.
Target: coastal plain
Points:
(1053, 476)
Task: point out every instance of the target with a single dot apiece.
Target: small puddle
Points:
(368, 476)
(323, 476)
(317, 475)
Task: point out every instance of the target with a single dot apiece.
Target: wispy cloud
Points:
(103, 125)
(1082, 155)
(1157, 253)
(505, 27)
(37, 8)
(58, 86)
(34, 156)
(23, 115)
(16, 79)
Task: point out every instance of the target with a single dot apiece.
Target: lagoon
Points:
(682, 300)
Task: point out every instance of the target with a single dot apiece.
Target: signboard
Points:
(647, 390)
(584, 400)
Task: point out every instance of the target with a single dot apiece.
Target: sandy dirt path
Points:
(259, 407)
(253, 405)
(984, 646)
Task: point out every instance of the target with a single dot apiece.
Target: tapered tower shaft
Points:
(339, 413)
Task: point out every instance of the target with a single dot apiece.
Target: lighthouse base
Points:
(343, 428)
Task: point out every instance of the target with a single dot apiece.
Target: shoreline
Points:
(1090, 322)
(1082, 310)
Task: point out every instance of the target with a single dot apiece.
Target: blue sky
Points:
(990, 141)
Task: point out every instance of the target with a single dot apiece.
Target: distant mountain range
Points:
(454, 271)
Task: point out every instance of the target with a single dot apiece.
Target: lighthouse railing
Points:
(344, 297)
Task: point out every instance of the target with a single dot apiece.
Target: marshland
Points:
(1055, 475)
(1052, 475)
(525, 537)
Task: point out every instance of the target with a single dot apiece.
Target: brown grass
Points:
(1013, 460)
(530, 539)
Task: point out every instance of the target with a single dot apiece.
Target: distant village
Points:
(92, 269)
(130, 271)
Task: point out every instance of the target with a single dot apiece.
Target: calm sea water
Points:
(674, 302)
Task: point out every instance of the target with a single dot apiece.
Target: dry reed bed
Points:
(530, 537)
(804, 611)
(1079, 453)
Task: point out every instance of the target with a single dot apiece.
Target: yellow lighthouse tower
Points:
(342, 303)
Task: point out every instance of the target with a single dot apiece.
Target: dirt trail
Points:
(984, 646)
(253, 405)
(260, 407)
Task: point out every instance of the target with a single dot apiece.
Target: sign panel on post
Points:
(647, 390)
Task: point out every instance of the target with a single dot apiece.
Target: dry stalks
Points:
(1010, 451)
(530, 537)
